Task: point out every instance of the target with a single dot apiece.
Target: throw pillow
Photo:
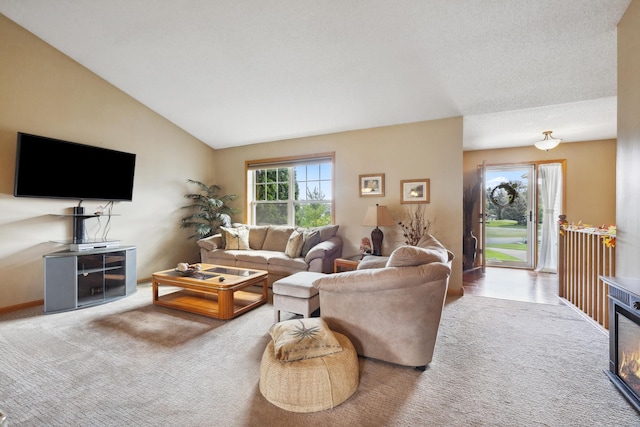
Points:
(298, 339)
(408, 256)
(294, 245)
(236, 238)
(310, 238)
(223, 235)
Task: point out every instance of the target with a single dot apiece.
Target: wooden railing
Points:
(585, 254)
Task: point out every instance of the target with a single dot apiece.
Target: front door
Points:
(509, 220)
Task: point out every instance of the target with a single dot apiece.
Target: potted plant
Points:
(210, 210)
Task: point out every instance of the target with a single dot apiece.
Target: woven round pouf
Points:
(310, 385)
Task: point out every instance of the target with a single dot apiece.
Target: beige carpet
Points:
(128, 363)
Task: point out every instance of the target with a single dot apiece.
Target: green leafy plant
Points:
(210, 210)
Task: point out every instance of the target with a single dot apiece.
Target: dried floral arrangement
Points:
(415, 226)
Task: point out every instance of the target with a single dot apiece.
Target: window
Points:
(295, 191)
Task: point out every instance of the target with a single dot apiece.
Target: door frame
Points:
(482, 206)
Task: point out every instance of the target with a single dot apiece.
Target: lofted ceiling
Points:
(239, 72)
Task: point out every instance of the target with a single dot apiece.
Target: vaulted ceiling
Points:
(238, 72)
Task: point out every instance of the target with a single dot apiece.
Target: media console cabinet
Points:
(77, 279)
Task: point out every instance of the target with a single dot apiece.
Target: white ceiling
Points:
(238, 72)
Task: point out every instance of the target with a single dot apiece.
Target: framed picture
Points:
(414, 191)
(371, 185)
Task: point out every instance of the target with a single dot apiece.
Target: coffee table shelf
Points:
(207, 303)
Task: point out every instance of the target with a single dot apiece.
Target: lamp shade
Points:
(548, 142)
(378, 216)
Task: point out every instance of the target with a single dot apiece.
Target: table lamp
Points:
(378, 216)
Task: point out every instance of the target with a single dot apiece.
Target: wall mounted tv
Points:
(53, 168)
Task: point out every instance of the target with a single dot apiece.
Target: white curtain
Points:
(550, 175)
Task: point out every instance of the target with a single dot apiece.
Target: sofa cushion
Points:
(298, 285)
(298, 339)
(408, 256)
(236, 238)
(257, 234)
(277, 238)
(294, 245)
(222, 257)
(310, 238)
(277, 260)
(254, 257)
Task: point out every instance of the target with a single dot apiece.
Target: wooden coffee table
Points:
(217, 291)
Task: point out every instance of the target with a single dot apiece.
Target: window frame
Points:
(285, 162)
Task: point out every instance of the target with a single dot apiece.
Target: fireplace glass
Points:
(627, 353)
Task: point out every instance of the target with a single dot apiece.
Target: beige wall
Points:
(628, 163)
(590, 173)
(44, 92)
(430, 149)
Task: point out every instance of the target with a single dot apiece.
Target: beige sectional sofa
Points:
(280, 250)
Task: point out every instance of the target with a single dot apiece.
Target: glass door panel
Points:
(510, 216)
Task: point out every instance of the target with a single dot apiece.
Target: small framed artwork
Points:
(414, 191)
(371, 185)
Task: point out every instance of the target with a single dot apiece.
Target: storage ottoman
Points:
(296, 294)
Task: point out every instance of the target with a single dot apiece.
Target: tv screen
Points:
(52, 168)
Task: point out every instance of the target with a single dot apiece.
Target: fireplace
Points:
(624, 337)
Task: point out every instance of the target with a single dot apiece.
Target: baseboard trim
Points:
(22, 306)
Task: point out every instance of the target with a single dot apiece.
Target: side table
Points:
(346, 264)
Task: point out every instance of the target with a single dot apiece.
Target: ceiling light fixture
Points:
(548, 142)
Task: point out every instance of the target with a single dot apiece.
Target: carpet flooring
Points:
(129, 363)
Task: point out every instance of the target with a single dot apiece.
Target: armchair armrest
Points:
(212, 242)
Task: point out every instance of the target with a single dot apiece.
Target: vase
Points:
(469, 249)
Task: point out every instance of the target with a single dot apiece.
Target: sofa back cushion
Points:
(277, 238)
(407, 256)
(257, 234)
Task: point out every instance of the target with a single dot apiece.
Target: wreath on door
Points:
(496, 198)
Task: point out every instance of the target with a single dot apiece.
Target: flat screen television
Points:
(53, 168)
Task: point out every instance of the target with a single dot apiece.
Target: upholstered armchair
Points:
(390, 313)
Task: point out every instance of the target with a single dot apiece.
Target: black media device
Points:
(53, 168)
